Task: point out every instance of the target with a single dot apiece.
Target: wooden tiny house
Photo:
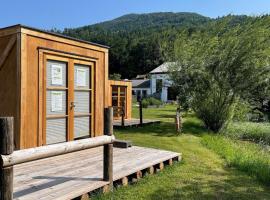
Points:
(120, 94)
(54, 86)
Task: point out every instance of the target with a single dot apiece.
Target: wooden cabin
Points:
(54, 86)
(119, 96)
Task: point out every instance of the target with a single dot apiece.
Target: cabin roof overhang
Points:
(51, 36)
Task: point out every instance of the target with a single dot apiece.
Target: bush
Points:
(154, 102)
(247, 157)
(151, 101)
(145, 103)
(256, 132)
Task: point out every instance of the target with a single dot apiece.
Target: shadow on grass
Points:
(193, 127)
(163, 116)
(166, 129)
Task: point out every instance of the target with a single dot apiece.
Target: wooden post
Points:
(123, 115)
(108, 148)
(124, 181)
(141, 113)
(6, 148)
(178, 121)
(177, 124)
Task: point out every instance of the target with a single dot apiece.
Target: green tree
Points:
(115, 77)
(219, 64)
(259, 98)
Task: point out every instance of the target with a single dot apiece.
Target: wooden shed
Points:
(54, 86)
(120, 95)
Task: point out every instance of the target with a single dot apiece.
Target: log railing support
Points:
(141, 113)
(6, 148)
(108, 148)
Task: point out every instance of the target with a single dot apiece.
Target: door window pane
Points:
(82, 76)
(122, 91)
(56, 73)
(81, 127)
(56, 102)
(82, 102)
(56, 130)
(114, 91)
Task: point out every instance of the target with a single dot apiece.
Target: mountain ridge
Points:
(136, 39)
(132, 22)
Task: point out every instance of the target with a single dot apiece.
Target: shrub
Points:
(247, 157)
(151, 101)
(145, 103)
(154, 102)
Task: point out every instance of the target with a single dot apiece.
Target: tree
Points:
(218, 65)
(115, 77)
(259, 98)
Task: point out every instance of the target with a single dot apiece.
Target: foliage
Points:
(135, 40)
(246, 157)
(218, 66)
(256, 132)
(201, 175)
(151, 101)
(115, 77)
(259, 98)
(242, 110)
(145, 103)
(141, 42)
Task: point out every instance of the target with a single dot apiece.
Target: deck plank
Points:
(71, 175)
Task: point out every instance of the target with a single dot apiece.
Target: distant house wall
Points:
(140, 91)
(159, 84)
(166, 83)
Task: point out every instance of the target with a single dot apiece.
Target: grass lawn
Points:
(245, 156)
(201, 175)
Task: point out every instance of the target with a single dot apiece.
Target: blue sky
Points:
(73, 13)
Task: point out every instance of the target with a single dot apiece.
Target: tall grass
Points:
(256, 132)
(245, 156)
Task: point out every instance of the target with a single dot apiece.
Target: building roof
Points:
(164, 68)
(55, 34)
(141, 83)
(141, 76)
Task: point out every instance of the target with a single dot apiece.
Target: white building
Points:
(159, 85)
(141, 87)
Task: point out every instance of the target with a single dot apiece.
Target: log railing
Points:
(10, 158)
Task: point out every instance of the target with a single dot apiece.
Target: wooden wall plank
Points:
(8, 92)
(6, 51)
(62, 40)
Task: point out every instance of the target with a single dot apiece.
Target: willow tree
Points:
(220, 64)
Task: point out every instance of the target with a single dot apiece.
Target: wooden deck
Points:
(134, 122)
(72, 175)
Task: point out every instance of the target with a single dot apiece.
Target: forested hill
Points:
(136, 39)
(135, 22)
